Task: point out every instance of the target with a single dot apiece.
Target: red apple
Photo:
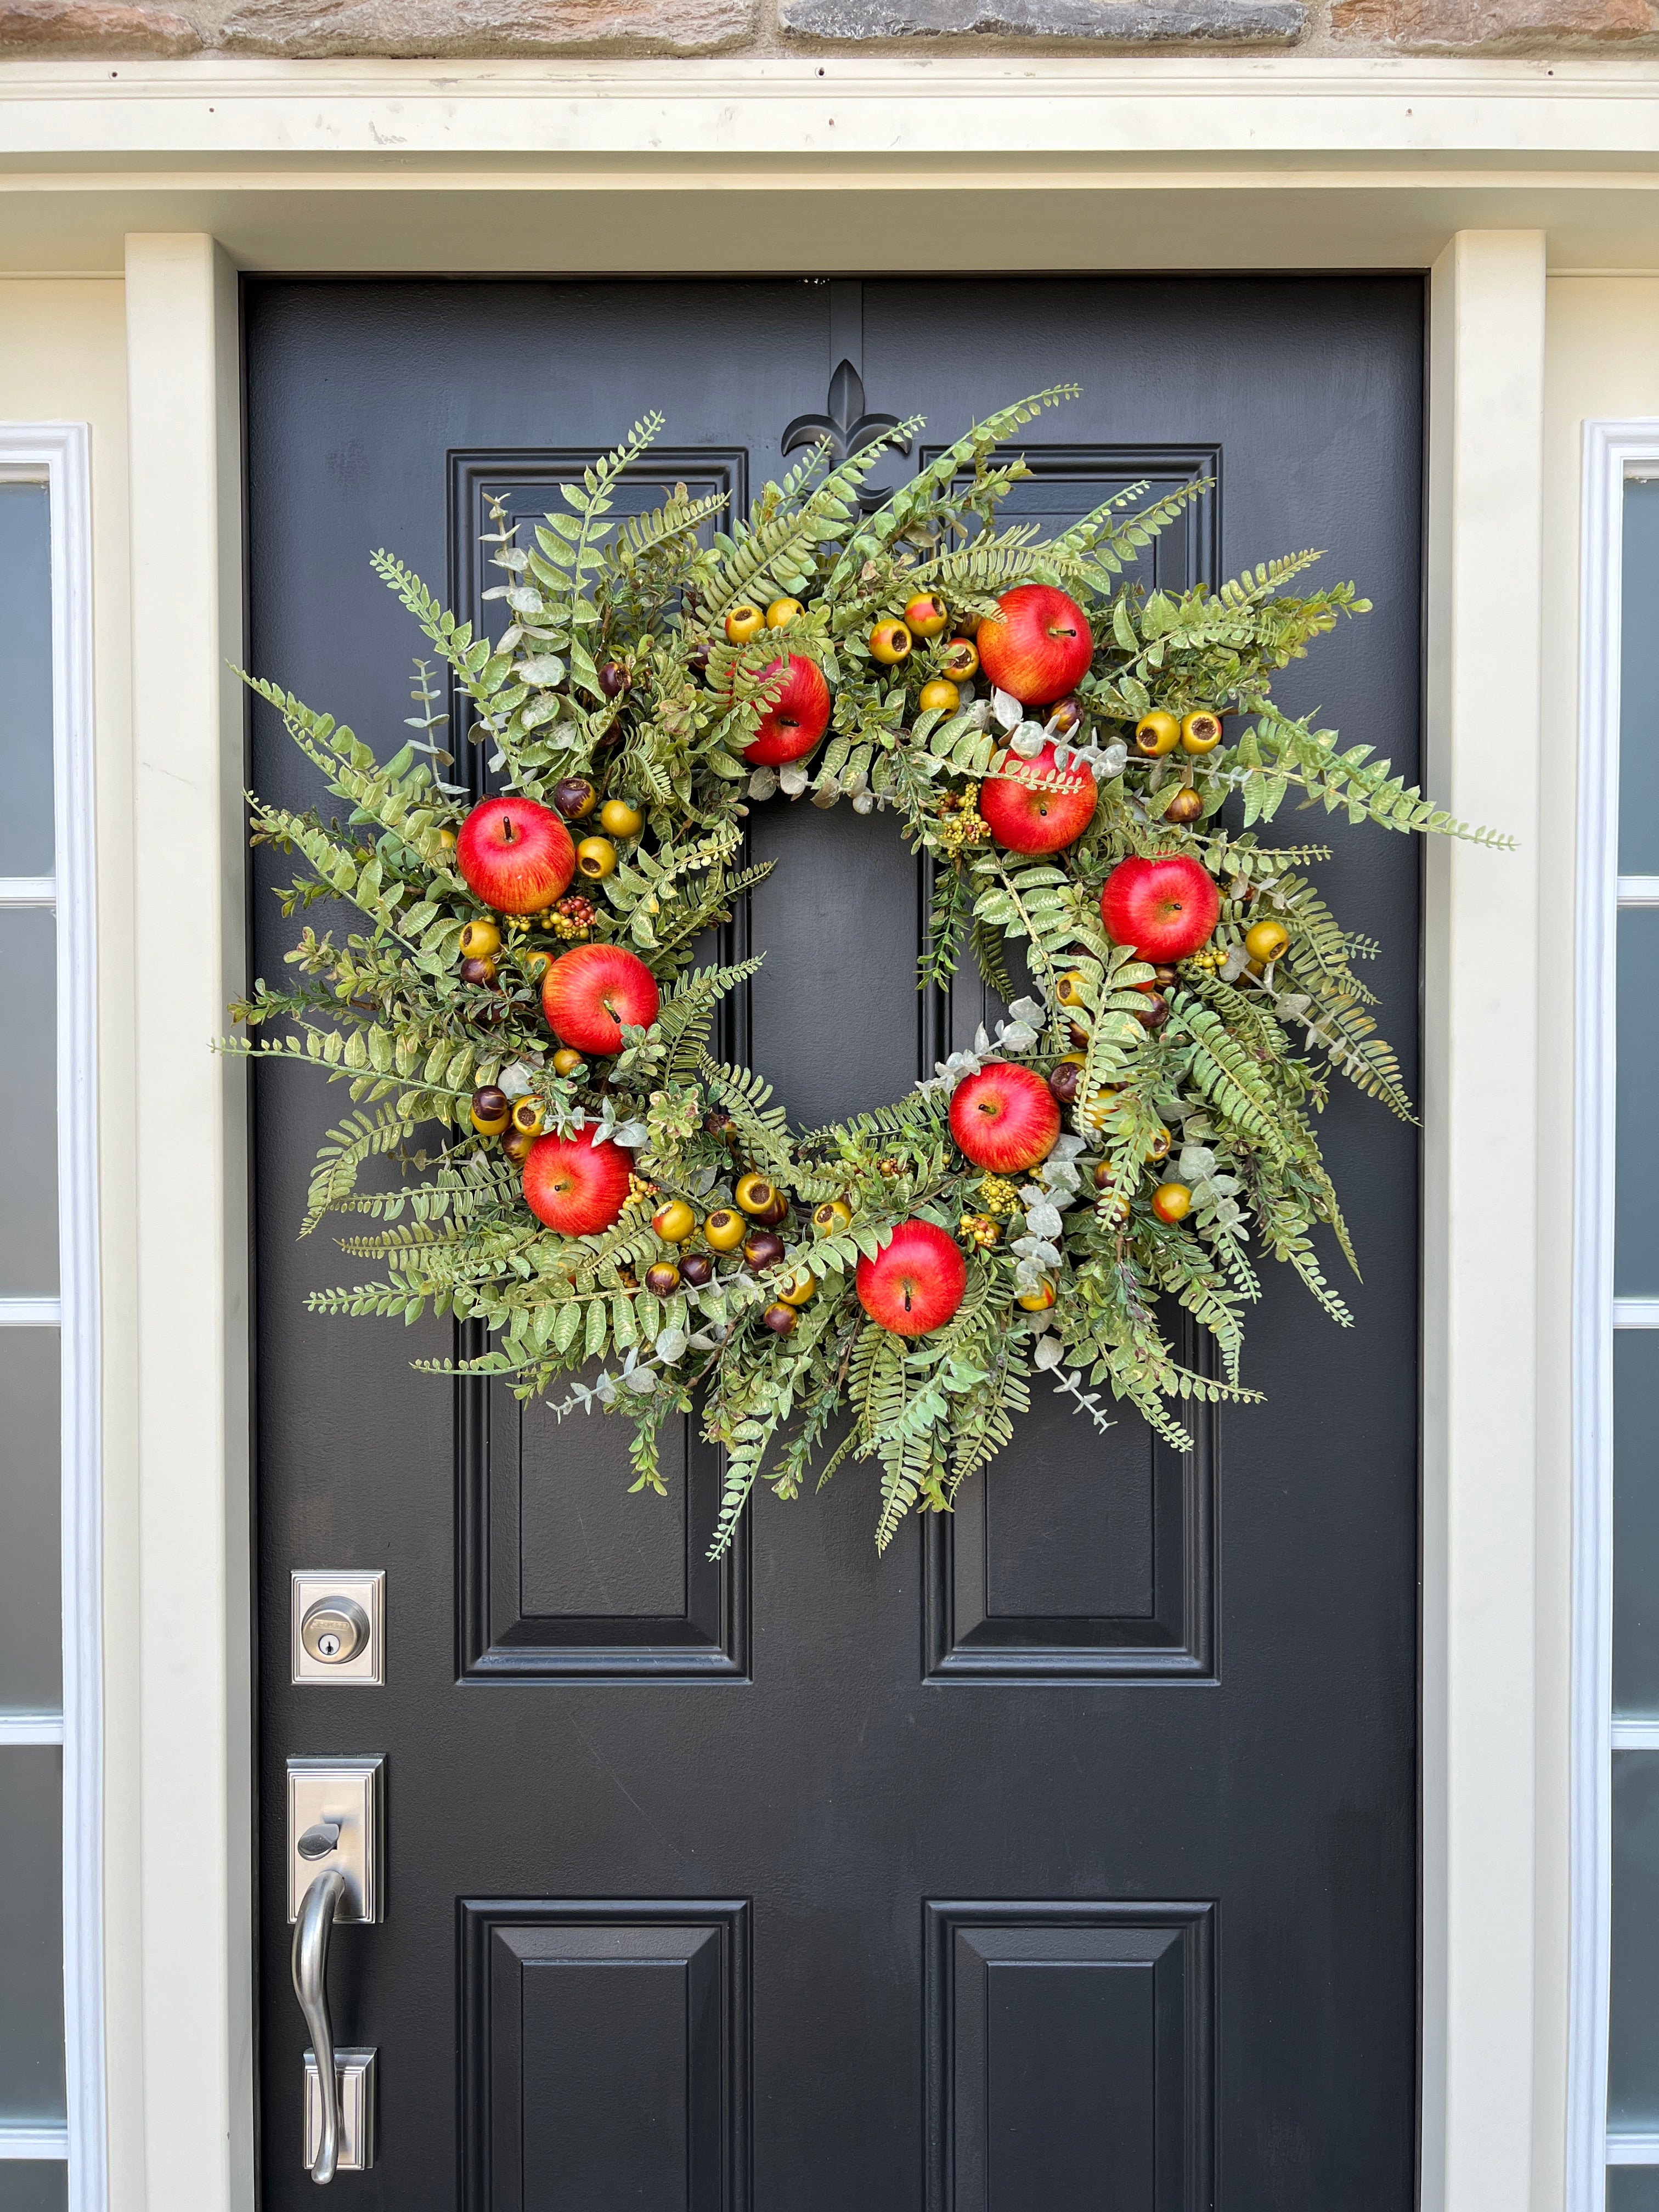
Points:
(576, 1186)
(1004, 1118)
(1165, 909)
(1027, 820)
(587, 995)
(799, 717)
(915, 1282)
(1039, 647)
(515, 855)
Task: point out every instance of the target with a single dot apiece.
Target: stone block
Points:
(1119, 22)
(422, 28)
(1458, 26)
(38, 30)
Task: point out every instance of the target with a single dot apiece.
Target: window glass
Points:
(1634, 2189)
(1638, 686)
(28, 1103)
(31, 1648)
(1636, 1204)
(28, 2184)
(26, 679)
(31, 1935)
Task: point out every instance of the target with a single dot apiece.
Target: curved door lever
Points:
(311, 1933)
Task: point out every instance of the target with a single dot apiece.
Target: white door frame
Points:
(733, 138)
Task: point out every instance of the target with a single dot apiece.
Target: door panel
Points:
(1067, 1855)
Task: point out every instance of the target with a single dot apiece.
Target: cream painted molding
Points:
(196, 1630)
(1480, 1321)
(1149, 114)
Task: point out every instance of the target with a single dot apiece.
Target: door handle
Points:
(335, 1820)
(310, 1933)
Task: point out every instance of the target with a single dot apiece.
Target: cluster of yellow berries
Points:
(997, 1196)
(961, 824)
(517, 1122)
(978, 1229)
(746, 621)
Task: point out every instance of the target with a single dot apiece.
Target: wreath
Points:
(524, 1017)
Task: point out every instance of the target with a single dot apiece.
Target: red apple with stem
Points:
(797, 719)
(1004, 1118)
(1038, 646)
(915, 1282)
(1027, 819)
(576, 1186)
(587, 995)
(515, 855)
(1166, 907)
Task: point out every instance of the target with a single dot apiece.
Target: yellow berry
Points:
(1157, 732)
(1266, 941)
(619, 817)
(725, 1230)
(674, 1222)
(479, 939)
(940, 696)
(743, 622)
(782, 612)
(890, 641)
(1039, 1300)
(800, 1287)
(527, 1117)
(596, 858)
(566, 1062)
(832, 1216)
(1201, 732)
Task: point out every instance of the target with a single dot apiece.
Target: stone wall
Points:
(44, 30)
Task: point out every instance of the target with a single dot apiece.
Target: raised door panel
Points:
(1070, 2057)
(604, 2056)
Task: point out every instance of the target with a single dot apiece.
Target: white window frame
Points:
(1615, 454)
(56, 455)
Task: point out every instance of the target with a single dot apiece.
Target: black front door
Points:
(1066, 1856)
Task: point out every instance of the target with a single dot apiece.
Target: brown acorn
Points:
(1186, 805)
(774, 1215)
(780, 1319)
(1065, 714)
(478, 971)
(1155, 1013)
(697, 660)
(763, 1248)
(1165, 976)
(1063, 1080)
(696, 1268)
(575, 797)
(662, 1279)
(517, 1143)
(613, 678)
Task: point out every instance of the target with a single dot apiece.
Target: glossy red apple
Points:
(1039, 647)
(1004, 1118)
(576, 1186)
(793, 724)
(1027, 820)
(1165, 909)
(515, 855)
(915, 1282)
(587, 995)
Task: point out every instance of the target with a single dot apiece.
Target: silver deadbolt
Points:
(334, 1630)
(336, 1625)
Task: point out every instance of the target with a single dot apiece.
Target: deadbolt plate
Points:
(354, 2073)
(350, 1792)
(360, 1589)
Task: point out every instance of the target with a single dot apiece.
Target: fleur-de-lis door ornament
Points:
(849, 426)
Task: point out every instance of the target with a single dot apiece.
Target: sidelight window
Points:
(51, 2074)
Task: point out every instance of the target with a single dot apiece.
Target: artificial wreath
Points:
(526, 1028)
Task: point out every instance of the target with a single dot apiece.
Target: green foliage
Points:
(612, 663)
